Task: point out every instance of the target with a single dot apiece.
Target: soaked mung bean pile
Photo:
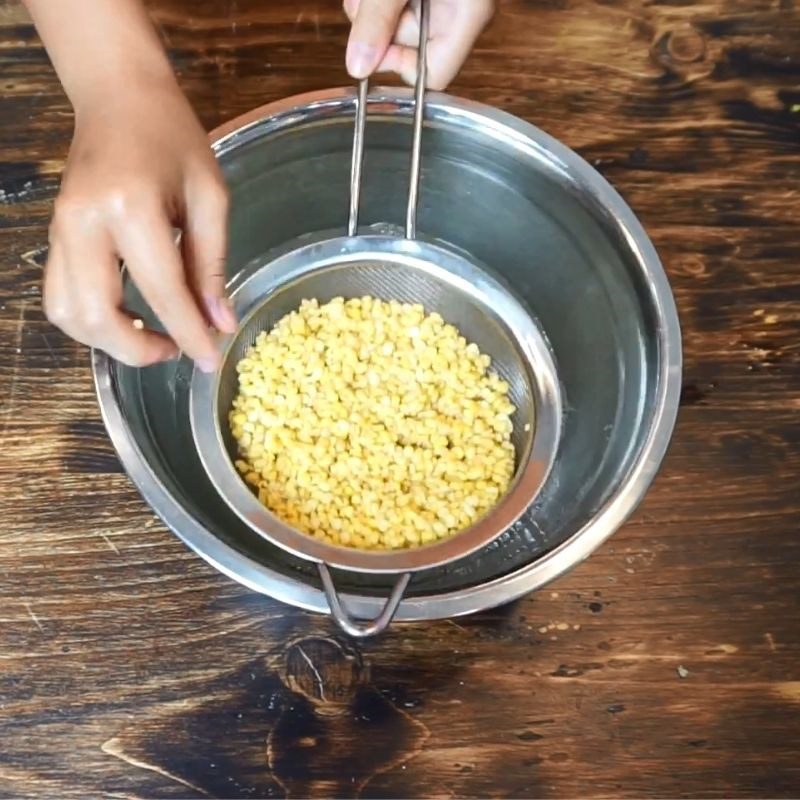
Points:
(371, 424)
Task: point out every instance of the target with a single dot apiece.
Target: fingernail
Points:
(206, 364)
(168, 351)
(361, 59)
(222, 313)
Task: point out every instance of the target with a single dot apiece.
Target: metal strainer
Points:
(391, 268)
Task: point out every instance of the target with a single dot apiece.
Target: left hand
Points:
(385, 35)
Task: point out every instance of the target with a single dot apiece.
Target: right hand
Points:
(385, 35)
(140, 165)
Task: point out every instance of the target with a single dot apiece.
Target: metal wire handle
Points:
(359, 629)
(351, 626)
(416, 145)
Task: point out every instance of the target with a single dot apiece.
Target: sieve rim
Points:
(465, 275)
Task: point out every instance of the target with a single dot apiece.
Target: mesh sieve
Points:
(408, 270)
(465, 294)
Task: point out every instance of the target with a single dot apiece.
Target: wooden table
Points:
(129, 668)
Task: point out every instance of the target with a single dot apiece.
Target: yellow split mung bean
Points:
(371, 424)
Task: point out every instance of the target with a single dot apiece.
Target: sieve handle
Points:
(419, 114)
(416, 145)
(358, 156)
(361, 629)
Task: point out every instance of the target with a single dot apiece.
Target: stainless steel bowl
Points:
(508, 196)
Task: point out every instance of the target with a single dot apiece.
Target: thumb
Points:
(374, 26)
(204, 245)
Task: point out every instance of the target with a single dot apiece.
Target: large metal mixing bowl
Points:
(516, 200)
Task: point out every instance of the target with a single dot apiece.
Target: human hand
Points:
(140, 164)
(385, 36)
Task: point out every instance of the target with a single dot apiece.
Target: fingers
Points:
(83, 286)
(374, 26)
(402, 61)
(455, 27)
(82, 294)
(407, 33)
(205, 247)
(146, 244)
(448, 52)
(401, 57)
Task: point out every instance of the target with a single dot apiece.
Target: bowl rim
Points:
(578, 546)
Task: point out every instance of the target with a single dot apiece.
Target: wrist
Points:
(125, 82)
(114, 55)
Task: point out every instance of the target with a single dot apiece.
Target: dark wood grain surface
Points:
(666, 665)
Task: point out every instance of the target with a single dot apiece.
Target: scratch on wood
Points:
(34, 617)
(50, 349)
(12, 389)
(770, 642)
(30, 257)
(10, 405)
(455, 625)
(113, 747)
(315, 671)
(301, 15)
(109, 543)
